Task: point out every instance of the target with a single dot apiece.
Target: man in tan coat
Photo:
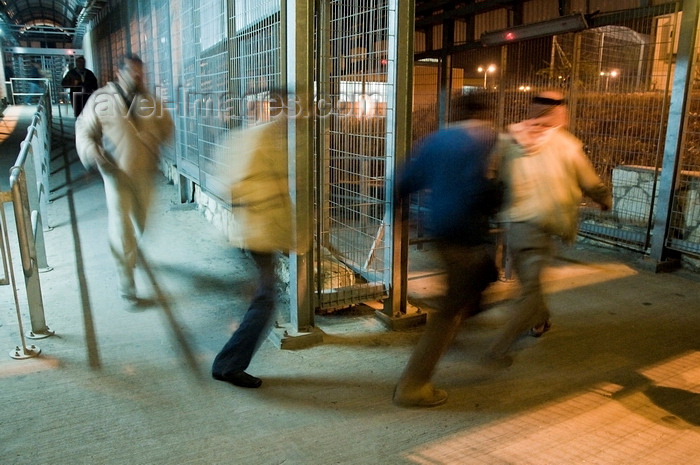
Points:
(546, 173)
(120, 132)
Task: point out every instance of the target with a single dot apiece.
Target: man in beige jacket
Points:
(546, 174)
(120, 132)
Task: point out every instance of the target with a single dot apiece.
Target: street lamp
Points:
(608, 75)
(490, 69)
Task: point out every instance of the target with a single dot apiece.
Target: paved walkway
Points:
(616, 380)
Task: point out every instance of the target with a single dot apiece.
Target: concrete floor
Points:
(616, 380)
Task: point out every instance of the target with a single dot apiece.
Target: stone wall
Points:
(335, 274)
(633, 188)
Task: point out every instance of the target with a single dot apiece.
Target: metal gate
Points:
(617, 79)
(684, 225)
(52, 66)
(353, 151)
(621, 102)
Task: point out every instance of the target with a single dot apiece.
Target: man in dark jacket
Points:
(452, 164)
(81, 82)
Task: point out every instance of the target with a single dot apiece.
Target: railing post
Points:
(42, 158)
(36, 200)
(20, 204)
(24, 352)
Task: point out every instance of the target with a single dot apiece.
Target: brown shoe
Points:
(427, 396)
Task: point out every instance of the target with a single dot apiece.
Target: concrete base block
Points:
(413, 317)
(284, 337)
(663, 266)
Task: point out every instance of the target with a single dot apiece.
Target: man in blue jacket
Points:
(453, 164)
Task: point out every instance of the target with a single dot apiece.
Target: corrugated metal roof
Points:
(46, 21)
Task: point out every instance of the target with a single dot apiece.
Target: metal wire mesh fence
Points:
(684, 224)
(617, 78)
(352, 153)
(213, 57)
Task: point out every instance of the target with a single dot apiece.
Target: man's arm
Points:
(590, 182)
(69, 80)
(90, 84)
(88, 137)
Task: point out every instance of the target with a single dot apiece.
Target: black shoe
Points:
(239, 378)
(539, 330)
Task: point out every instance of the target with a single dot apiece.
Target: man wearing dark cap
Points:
(546, 174)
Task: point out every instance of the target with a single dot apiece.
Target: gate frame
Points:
(664, 257)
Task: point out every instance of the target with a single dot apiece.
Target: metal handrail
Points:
(26, 205)
(27, 94)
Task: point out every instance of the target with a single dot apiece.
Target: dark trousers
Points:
(78, 100)
(532, 249)
(239, 350)
(470, 269)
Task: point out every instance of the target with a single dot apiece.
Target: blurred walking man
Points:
(120, 132)
(453, 164)
(257, 158)
(546, 174)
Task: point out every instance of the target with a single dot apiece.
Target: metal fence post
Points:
(20, 204)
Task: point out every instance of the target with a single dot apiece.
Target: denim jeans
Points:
(237, 353)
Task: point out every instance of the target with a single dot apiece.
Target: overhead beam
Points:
(462, 11)
(616, 17)
(598, 20)
(429, 7)
(45, 51)
(448, 51)
(42, 30)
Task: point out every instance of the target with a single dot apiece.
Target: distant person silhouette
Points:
(36, 86)
(81, 82)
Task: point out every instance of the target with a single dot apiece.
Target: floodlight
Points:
(561, 25)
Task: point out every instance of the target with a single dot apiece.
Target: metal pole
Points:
(20, 204)
(682, 80)
(24, 352)
(297, 23)
(400, 54)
